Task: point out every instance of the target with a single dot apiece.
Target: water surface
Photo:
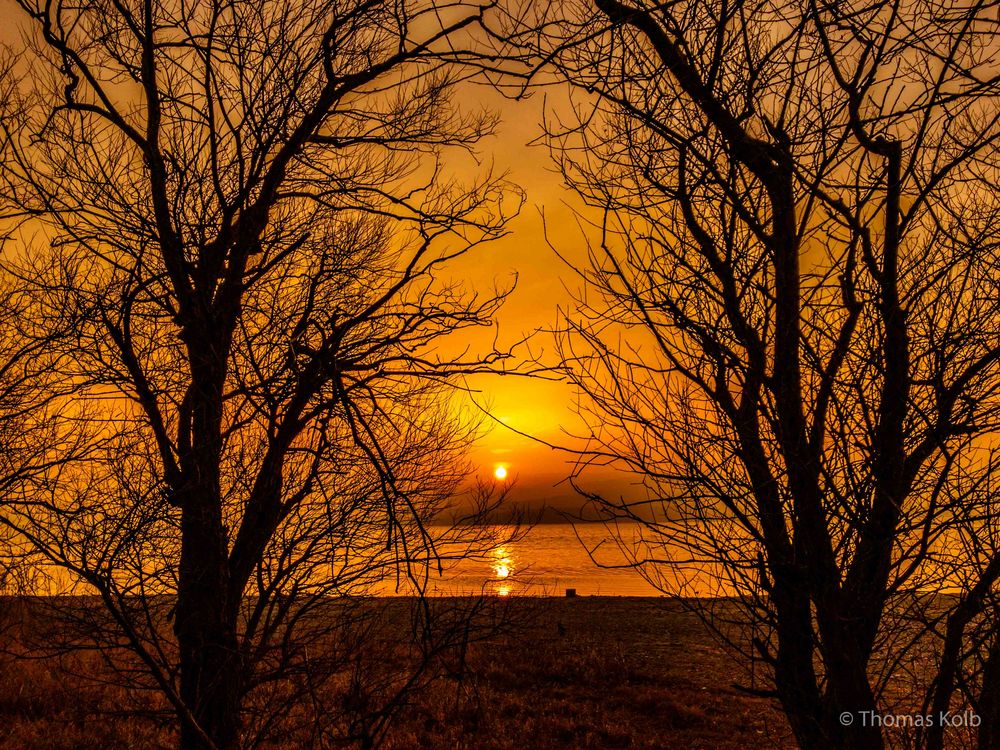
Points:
(546, 560)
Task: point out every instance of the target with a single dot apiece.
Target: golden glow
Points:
(503, 565)
(500, 472)
(541, 408)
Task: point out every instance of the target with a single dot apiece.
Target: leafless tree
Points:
(788, 326)
(239, 216)
(34, 440)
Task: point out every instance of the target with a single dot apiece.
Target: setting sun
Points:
(500, 472)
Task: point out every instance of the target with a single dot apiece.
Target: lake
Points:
(545, 561)
(542, 560)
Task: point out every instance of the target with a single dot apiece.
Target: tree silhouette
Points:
(240, 213)
(788, 325)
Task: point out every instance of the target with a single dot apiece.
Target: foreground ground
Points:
(589, 672)
(601, 672)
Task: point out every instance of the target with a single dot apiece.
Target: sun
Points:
(500, 472)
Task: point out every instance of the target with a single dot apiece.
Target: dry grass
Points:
(576, 673)
(44, 707)
(596, 673)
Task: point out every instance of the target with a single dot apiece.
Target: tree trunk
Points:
(843, 718)
(211, 673)
(210, 668)
(851, 708)
(795, 678)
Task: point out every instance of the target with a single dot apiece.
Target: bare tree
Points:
(789, 320)
(34, 440)
(243, 214)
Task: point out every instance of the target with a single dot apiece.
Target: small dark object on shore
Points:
(570, 592)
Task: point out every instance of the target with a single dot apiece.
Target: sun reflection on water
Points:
(503, 569)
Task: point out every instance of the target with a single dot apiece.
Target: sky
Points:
(535, 407)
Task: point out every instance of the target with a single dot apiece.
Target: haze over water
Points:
(546, 561)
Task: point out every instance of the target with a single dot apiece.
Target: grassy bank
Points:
(600, 672)
(590, 672)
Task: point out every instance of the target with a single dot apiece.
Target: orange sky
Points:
(536, 407)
